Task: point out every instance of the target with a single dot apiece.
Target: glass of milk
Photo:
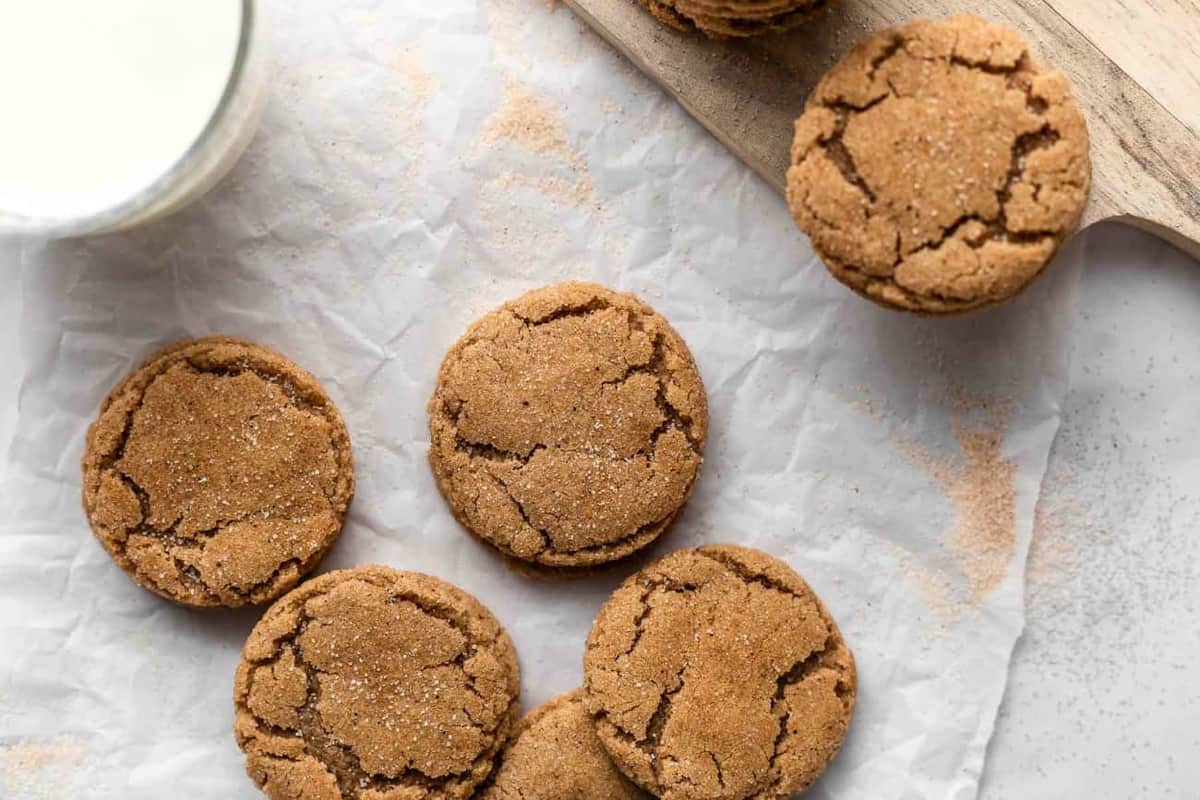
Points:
(117, 112)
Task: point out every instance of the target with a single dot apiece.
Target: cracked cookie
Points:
(717, 674)
(555, 754)
(567, 427)
(734, 18)
(373, 684)
(218, 473)
(937, 168)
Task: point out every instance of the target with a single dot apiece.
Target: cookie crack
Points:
(894, 45)
(571, 310)
(748, 575)
(651, 743)
(490, 452)
(520, 507)
(614, 544)
(109, 460)
(1024, 145)
(837, 152)
(672, 416)
(639, 622)
(289, 389)
(798, 673)
(720, 772)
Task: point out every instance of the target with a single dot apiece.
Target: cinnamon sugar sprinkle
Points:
(528, 120)
(37, 771)
(979, 484)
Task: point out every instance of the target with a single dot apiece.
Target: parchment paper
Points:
(420, 163)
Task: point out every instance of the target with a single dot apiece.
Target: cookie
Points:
(667, 15)
(218, 473)
(373, 684)
(555, 754)
(937, 168)
(734, 18)
(741, 27)
(716, 673)
(567, 427)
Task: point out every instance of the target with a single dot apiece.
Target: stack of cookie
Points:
(734, 18)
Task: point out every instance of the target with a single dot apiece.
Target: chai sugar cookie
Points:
(218, 473)
(555, 754)
(373, 684)
(937, 168)
(567, 427)
(716, 673)
(734, 18)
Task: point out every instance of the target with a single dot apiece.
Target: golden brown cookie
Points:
(567, 426)
(937, 168)
(735, 18)
(716, 673)
(555, 754)
(667, 14)
(373, 684)
(218, 473)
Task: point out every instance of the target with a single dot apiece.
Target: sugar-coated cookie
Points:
(567, 427)
(555, 754)
(937, 168)
(374, 684)
(218, 473)
(716, 673)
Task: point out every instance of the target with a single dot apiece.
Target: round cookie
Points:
(218, 473)
(667, 15)
(750, 25)
(734, 18)
(937, 168)
(567, 427)
(373, 684)
(555, 754)
(716, 673)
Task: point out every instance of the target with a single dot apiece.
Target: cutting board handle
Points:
(1188, 243)
(1146, 163)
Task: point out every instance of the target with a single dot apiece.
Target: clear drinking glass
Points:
(217, 147)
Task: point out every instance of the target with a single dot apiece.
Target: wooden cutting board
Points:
(1145, 130)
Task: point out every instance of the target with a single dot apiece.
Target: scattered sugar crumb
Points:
(1054, 551)
(527, 119)
(979, 483)
(35, 771)
(576, 192)
(410, 63)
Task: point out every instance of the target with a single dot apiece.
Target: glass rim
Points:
(22, 226)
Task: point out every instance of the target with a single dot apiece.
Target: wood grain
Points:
(1146, 159)
(1157, 42)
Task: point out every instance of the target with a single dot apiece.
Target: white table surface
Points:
(1101, 701)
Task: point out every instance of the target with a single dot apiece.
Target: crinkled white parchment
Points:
(392, 197)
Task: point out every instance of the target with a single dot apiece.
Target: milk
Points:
(102, 98)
